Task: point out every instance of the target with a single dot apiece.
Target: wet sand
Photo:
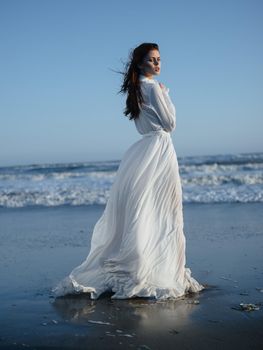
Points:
(39, 246)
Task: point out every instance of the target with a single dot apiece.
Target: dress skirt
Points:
(138, 243)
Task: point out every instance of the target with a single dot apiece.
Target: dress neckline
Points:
(143, 77)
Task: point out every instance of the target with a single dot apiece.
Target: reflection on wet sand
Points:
(148, 314)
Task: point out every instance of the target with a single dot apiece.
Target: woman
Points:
(138, 244)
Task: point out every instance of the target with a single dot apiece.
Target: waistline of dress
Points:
(156, 132)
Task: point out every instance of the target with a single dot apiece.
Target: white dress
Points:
(138, 244)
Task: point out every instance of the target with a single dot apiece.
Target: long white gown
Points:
(138, 244)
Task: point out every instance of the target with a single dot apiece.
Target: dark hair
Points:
(131, 82)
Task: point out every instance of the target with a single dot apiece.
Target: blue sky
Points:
(59, 100)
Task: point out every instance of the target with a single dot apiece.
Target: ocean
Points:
(205, 179)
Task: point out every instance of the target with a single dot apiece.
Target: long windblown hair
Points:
(131, 82)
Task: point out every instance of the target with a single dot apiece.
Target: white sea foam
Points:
(205, 179)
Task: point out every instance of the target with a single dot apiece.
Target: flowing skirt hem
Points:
(69, 285)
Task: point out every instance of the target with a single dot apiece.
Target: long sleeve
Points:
(165, 109)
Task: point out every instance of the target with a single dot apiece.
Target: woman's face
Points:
(151, 64)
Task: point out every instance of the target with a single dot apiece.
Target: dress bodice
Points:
(157, 111)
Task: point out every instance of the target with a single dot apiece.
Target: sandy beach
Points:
(39, 246)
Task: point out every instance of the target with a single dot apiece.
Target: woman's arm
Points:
(163, 106)
(165, 91)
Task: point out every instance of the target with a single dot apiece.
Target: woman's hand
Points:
(162, 86)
